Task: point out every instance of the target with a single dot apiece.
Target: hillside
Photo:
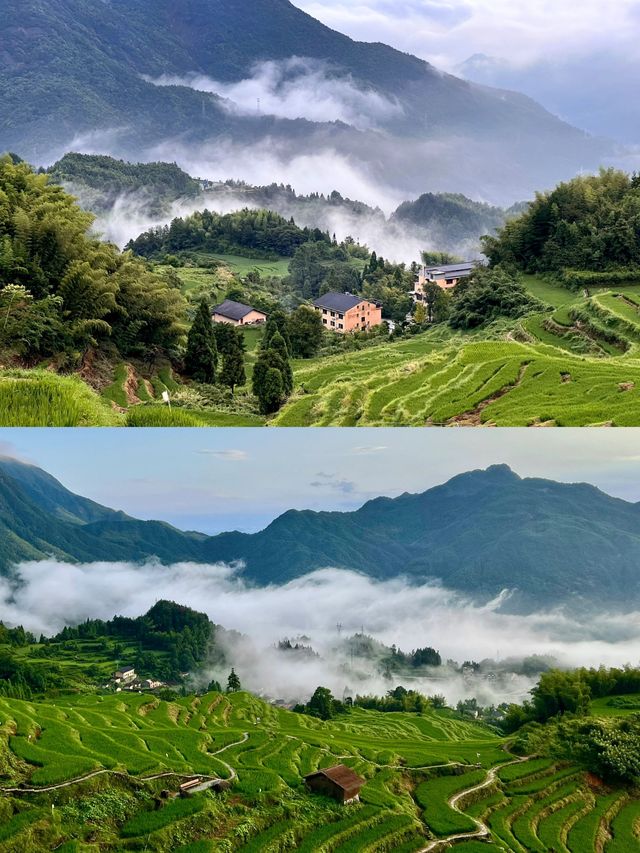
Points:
(480, 533)
(86, 70)
(104, 770)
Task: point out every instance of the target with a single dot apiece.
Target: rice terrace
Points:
(92, 768)
(577, 365)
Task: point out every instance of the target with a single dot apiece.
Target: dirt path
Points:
(232, 775)
(482, 830)
(473, 417)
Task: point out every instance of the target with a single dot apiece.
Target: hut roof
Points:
(341, 775)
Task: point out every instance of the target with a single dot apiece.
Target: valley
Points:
(83, 767)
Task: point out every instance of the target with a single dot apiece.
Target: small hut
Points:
(339, 782)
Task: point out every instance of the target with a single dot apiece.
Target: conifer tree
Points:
(279, 345)
(201, 359)
(233, 372)
(233, 682)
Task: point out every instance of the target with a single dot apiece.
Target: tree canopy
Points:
(589, 223)
(73, 290)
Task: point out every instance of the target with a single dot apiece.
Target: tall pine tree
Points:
(201, 358)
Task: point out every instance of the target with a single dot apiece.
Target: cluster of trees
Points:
(488, 294)
(589, 223)
(451, 218)
(416, 659)
(61, 290)
(398, 699)
(608, 747)
(208, 344)
(156, 182)
(259, 233)
(272, 374)
(15, 636)
(20, 679)
(560, 693)
(183, 636)
(323, 705)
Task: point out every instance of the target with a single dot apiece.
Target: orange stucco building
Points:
(344, 312)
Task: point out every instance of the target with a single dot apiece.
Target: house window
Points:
(324, 310)
(324, 320)
(333, 323)
(341, 325)
(333, 313)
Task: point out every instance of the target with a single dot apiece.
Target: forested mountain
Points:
(450, 218)
(90, 70)
(480, 533)
(108, 179)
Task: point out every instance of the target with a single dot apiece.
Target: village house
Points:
(339, 782)
(446, 277)
(237, 314)
(344, 312)
(124, 675)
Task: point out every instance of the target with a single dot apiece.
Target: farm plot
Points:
(493, 382)
(412, 766)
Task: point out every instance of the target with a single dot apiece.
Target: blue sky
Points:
(214, 480)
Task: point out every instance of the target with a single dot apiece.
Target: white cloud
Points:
(45, 596)
(446, 32)
(228, 455)
(295, 88)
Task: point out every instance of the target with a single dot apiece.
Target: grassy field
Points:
(39, 398)
(575, 365)
(412, 764)
(271, 750)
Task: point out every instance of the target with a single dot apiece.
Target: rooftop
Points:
(233, 310)
(450, 268)
(342, 775)
(339, 301)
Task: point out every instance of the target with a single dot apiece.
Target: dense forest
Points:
(451, 217)
(166, 642)
(111, 178)
(588, 224)
(258, 233)
(61, 290)
(182, 633)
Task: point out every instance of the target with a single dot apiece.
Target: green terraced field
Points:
(131, 746)
(494, 382)
(576, 365)
(265, 751)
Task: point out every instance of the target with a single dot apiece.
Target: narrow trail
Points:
(77, 781)
(482, 830)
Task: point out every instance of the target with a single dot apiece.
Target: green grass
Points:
(162, 416)
(115, 391)
(549, 291)
(616, 706)
(433, 795)
(39, 398)
(147, 822)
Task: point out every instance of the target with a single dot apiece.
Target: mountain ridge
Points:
(80, 69)
(480, 533)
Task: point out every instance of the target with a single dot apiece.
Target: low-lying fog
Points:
(128, 217)
(45, 596)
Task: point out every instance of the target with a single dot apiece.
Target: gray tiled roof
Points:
(451, 268)
(339, 301)
(233, 310)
